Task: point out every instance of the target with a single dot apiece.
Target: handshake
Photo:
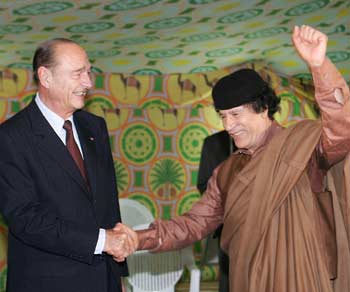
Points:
(121, 241)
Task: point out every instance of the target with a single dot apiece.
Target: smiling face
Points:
(64, 85)
(245, 126)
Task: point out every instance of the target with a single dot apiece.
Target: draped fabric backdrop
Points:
(157, 125)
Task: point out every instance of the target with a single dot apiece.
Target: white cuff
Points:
(100, 241)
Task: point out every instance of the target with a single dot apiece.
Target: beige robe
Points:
(272, 225)
(276, 235)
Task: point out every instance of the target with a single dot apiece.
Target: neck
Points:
(54, 105)
(263, 138)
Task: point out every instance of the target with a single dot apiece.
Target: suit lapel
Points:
(87, 142)
(47, 140)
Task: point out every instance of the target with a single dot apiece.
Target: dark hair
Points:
(45, 55)
(267, 100)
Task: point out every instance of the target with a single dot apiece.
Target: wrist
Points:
(106, 247)
(316, 64)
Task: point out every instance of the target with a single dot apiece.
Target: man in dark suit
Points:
(58, 189)
(216, 148)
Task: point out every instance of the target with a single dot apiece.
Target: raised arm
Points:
(331, 94)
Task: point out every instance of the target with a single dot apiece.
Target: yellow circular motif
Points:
(184, 88)
(162, 115)
(12, 81)
(310, 112)
(212, 117)
(166, 119)
(3, 110)
(26, 97)
(207, 80)
(115, 118)
(128, 89)
(282, 116)
(145, 200)
(99, 105)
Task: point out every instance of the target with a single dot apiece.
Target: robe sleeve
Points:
(332, 97)
(204, 217)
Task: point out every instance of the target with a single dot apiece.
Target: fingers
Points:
(310, 44)
(311, 35)
(296, 36)
(121, 241)
(306, 33)
(133, 238)
(119, 259)
(117, 244)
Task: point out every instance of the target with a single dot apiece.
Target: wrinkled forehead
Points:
(71, 55)
(233, 110)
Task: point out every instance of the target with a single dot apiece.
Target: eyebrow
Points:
(234, 111)
(81, 69)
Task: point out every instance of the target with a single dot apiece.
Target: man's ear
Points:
(265, 114)
(45, 76)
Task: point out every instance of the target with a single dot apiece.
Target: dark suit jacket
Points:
(53, 219)
(216, 148)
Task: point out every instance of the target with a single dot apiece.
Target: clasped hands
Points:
(121, 241)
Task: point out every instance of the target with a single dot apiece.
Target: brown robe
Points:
(279, 234)
(271, 222)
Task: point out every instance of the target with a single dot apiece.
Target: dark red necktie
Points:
(73, 148)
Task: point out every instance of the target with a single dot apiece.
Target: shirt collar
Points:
(55, 121)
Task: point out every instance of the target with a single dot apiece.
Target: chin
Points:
(79, 105)
(240, 144)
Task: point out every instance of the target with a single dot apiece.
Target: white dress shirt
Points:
(56, 122)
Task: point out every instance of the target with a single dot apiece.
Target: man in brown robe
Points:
(284, 231)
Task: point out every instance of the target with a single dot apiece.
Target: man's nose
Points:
(86, 81)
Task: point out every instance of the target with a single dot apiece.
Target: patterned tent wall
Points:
(157, 125)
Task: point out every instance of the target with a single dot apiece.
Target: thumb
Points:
(295, 34)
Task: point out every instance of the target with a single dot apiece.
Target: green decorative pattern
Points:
(128, 36)
(135, 41)
(122, 176)
(139, 143)
(201, 1)
(206, 36)
(147, 71)
(103, 54)
(202, 69)
(146, 201)
(3, 280)
(43, 8)
(5, 42)
(307, 7)
(154, 104)
(187, 202)
(240, 16)
(20, 66)
(190, 142)
(338, 56)
(203, 37)
(167, 178)
(223, 52)
(14, 28)
(264, 33)
(128, 5)
(168, 22)
(159, 54)
(99, 100)
(90, 27)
